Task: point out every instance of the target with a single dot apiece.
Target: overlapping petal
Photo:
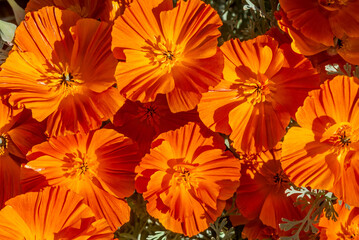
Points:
(53, 213)
(261, 194)
(346, 226)
(87, 9)
(316, 26)
(18, 133)
(143, 122)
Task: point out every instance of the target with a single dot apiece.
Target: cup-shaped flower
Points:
(323, 152)
(187, 178)
(167, 50)
(264, 84)
(62, 69)
(99, 166)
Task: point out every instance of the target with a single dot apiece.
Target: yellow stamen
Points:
(66, 83)
(163, 53)
(83, 167)
(333, 4)
(256, 90)
(183, 173)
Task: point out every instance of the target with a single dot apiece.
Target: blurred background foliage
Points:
(6, 12)
(243, 19)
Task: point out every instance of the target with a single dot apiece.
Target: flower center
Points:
(339, 43)
(257, 90)
(168, 55)
(342, 45)
(83, 167)
(163, 53)
(341, 137)
(3, 143)
(333, 4)
(148, 113)
(280, 177)
(65, 83)
(183, 174)
(80, 165)
(66, 79)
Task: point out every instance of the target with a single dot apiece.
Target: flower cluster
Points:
(104, 100)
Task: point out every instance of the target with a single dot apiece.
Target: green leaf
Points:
(18, 11)
(7, 31)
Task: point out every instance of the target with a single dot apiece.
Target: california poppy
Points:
(319, 25)
(263, 86)
(261, 193)
(62, 69)
(323, 152)
(167, 50)
(53, 213)
(143, 122)
(187, 178)
(18, 133)
(99, 166)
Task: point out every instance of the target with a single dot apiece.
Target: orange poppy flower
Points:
(99, 166)
(187, 178)
(323, 152)
(98, 9)
(261, 193)
(62, 69)
(263, 86)
(346, 227)
(18, 133)
(53, 213)
(317, 25)
(144, 121)
(167, 50)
